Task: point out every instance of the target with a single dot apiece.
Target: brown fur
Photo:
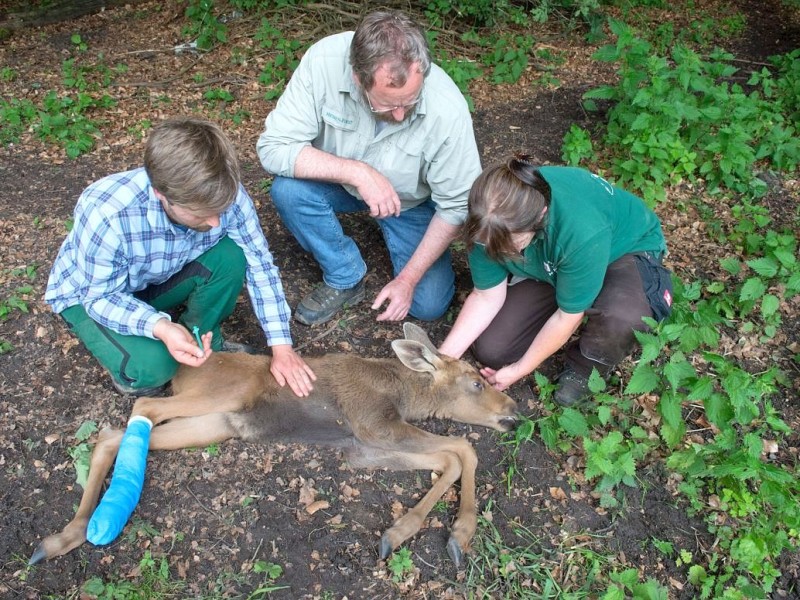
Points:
(359, 405)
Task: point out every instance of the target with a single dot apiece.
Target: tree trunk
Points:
(26, 15)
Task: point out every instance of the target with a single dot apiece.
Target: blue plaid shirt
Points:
(122, 242)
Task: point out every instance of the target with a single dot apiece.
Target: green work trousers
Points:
(206, 289)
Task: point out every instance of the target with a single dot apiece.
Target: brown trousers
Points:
(605, 338)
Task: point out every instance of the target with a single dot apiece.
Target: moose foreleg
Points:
(466, 522)
(445, 463)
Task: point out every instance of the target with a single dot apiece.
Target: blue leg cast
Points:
(127, 480)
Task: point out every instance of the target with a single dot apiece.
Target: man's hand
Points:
(373, 187)
(181, 344)
(377, 191)
(399, 294)
(288, 367)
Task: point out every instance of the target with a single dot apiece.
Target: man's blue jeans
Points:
(308, 209)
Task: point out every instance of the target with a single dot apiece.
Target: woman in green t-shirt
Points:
(549, 246)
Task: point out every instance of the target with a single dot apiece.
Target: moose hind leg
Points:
(178, 433)
(74, 533)
(446, 463)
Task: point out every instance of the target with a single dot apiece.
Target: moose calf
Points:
(359, 405)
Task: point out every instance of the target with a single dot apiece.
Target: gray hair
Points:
(392, 39)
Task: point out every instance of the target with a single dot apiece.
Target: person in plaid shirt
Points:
(180, 232)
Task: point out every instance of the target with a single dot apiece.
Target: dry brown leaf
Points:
(318, 505)
(398, 510)
(307, 495)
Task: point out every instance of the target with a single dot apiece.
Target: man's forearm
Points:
(436, 240)
(319, 165)
(124, 314)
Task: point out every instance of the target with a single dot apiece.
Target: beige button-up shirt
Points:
(432, 155)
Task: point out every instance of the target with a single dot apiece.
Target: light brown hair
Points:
(193, 164)
(507, 198)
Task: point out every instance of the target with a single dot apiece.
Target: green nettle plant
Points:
(683, 118)
(508, 57)
(204, 25)
(63, 120)
(480, 13)
(285, 58)
(15, 116)
(748, 502)
(400, 564)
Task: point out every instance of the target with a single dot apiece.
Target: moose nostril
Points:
(509, 423)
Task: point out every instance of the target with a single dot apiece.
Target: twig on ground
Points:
(324, 333)
(163, 83)
(203, 506)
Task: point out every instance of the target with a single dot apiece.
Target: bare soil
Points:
(213, 514)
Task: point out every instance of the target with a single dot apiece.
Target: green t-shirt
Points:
(590, 224)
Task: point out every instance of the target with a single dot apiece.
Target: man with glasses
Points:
(368, 123)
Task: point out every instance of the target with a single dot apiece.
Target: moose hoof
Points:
(37, 556)
(386, 547)
(455, 552)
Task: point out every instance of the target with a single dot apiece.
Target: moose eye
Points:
(478, 385)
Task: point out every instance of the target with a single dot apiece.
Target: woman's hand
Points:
(500, 379)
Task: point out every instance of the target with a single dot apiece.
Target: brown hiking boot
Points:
(321, 304)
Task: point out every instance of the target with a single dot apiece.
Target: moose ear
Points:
(416, 356)
(417, 334)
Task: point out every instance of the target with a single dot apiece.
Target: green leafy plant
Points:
(78, 43)
(204, 25)
(462, 72)
(509, 57)
(28, 271)
(81, 453)
(153, 581)
(64, 121)
(577, 146)
(285, 58)
(400, 564)
(217, 96)
(15, 117)
(220, 98)
(628, 586)
(15, 302)
(271, 573)
(680, 117)
(480, 13)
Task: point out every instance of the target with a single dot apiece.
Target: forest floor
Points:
(214, 513)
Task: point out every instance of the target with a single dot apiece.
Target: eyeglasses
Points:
(383, 111)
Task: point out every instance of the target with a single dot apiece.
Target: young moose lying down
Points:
(359, 405)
